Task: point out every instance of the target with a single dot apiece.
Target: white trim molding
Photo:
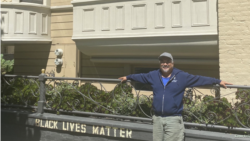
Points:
(25, 23)
(143, 18)
(61, 8)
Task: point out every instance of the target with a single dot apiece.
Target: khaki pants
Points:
(168, 128)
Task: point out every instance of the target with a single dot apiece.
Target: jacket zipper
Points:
(163, 100)
(164, 92)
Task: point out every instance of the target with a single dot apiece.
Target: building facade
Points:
(234, 43)
(113, 38)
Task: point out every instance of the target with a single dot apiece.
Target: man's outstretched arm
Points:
(142, 77)
(197, 80)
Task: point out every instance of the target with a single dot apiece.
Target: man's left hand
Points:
(223, 83)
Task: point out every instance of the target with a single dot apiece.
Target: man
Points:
(168, 85)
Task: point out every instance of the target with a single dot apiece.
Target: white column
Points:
(16, 1)
(46, 2)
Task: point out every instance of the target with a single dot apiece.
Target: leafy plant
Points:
(20, 92)
(242, 112)
(209, 110)
(6, 65)
(88, 98)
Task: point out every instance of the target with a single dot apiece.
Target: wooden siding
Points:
(60, 2)
(100, 70)
(62, 27)
(31, 58)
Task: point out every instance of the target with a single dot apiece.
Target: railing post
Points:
(42, 90)
(217, 93)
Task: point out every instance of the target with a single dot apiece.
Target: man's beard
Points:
(164, 70)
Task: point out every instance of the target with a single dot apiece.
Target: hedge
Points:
(87, 97)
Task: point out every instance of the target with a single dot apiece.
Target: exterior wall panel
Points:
(100, 70)
(61, 34)
(30, 59)
(62, 18)
(142, 18)
(119, 18)
(60, 2)
(5, 21)
(19, 22)
(176, 14)
(24, 23)
(234, 43)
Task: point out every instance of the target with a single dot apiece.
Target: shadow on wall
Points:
(31, 58)
(1, 27)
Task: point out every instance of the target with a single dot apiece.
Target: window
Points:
(9, 49)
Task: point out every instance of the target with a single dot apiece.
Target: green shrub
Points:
(89, 98)
(209, 110)
(121, 100)
(242, 112)
(6, 65)
(20, 92)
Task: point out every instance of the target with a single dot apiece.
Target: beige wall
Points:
(234, 41)
(60, 2)
(100, 70)
(61, 34)
(31, 58)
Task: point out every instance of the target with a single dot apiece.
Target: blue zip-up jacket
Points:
(167, 100)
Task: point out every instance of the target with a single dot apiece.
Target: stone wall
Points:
(234, 43)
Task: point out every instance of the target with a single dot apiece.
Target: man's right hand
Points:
(124, 78)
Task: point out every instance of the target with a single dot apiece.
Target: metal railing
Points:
(82, 96)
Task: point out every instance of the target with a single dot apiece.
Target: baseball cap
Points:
(166, 54)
